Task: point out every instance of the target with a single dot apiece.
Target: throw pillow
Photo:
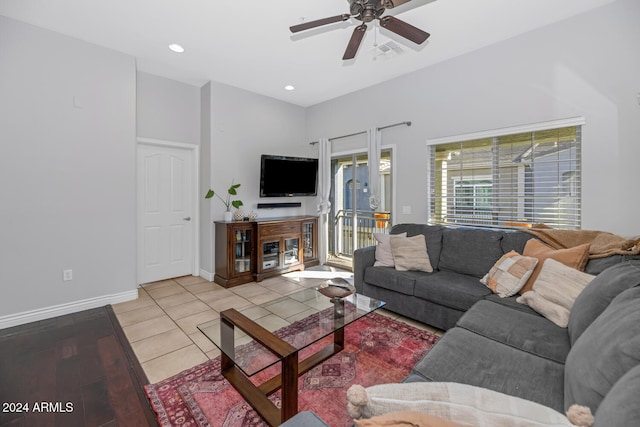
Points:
(405, 419)
(410, 253)
(509, 274)
(555, 290)
(461, 403)
(384, 258)
(575, 257)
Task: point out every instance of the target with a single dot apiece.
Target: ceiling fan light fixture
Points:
(175, 47)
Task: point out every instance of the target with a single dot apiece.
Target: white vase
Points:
(228, 216)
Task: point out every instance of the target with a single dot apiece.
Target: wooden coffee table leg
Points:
(256, 396)
(289, 388)
(227, 343)
(291, 367)
(338, 321)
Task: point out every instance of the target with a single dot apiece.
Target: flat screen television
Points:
(283, 176)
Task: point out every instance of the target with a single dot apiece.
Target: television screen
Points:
(282, 176)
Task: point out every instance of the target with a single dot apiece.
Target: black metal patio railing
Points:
(351, 230)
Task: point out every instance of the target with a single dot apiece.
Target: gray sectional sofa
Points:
(460, 256)
(594, 362)
(505, 346)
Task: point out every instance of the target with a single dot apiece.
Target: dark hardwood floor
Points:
(73, 370)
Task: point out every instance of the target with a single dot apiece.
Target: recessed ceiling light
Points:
(289, 87)
(175, 47)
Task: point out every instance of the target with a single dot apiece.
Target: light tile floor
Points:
(161, 324)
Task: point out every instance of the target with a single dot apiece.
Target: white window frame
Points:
(528, 128)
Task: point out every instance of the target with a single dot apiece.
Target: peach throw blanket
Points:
(602, 243)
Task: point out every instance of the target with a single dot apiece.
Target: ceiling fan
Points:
(367, 11)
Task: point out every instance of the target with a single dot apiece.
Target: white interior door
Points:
(166, 210)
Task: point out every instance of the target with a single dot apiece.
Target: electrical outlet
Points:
(406, 210)
(67, 275)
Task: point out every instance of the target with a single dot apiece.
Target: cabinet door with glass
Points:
(243, 250)
(309, 241)
(291, 252)
(234, 253)
(270, 254)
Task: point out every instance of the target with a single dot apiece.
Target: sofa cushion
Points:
(388, 278)
(414, 378)
(450, 289)
(605, 352)
(514, 240)
(432, 234)
(555, 291)
(620, 406)
(511, 303)
(305, 419)
(470, 251)
(410, 253)
(468, 358)
(575, 257)
(598, 265)
(595, 298)
(527, 332)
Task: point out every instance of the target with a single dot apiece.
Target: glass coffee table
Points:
(249, 346)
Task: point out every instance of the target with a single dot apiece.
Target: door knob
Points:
(187, 218)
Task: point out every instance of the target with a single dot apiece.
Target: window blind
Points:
(508, 180)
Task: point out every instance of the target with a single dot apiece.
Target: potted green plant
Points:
(232, 191)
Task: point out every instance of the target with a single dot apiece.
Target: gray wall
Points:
(167, 109)
(67, 171)
(585, 66)
(245, 125)
(233, 127)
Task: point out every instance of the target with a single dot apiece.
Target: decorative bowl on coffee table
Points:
(336, 288)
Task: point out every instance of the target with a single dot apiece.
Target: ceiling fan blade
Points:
(390, 4)
(397, 7)
(319, 23)
(403, 29)
(354, 42)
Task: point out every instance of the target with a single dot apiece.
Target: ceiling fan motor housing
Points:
(367, 10)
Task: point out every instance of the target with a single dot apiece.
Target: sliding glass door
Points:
(354, 220)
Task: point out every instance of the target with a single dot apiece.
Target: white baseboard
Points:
(68, 308)
(206, 275)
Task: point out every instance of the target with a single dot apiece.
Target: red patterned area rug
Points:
(377, 350)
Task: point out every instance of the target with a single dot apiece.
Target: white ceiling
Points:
(248, 44)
